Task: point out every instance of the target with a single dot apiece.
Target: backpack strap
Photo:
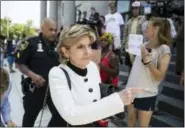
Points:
(67, 77)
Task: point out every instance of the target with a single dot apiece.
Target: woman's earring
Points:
(67, 59)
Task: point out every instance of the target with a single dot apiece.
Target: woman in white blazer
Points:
(82, 104)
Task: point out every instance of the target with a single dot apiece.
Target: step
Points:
(123, 76)
(171, 105)
(172, 67)
(166, 121)
(120, 122)
(124, 68)
(173, 58)
(172, 77)
(172, 90)
(124, 73)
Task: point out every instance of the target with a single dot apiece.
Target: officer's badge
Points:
(39, 49)
(23, 45)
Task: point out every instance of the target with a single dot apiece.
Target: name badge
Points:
(39, 47)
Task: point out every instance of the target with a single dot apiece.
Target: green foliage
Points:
(15, 30)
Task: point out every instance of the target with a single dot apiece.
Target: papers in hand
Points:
(134, 44)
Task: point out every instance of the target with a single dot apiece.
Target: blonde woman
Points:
(81, 105)
(149, 70)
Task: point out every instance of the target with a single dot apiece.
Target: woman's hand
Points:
(128, 95)
(145, 54)
(102, 66)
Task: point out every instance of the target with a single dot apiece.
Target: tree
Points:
(16, 30)
(28, 30)
(5, 23)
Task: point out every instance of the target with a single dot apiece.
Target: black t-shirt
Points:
(37, 56)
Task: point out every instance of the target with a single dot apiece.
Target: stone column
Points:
(43, 10)
(53, 11)
(59, 23)
(69, 13)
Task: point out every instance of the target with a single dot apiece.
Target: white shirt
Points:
(140, 75)
(1, 56)
(76, 106)
(113, 22)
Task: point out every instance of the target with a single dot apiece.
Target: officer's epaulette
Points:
(23, 45)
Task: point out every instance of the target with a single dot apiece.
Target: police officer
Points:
(35, 57)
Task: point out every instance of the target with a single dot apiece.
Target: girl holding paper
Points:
(149, 70)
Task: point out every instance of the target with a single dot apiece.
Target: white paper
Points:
(134, 44)
(147, 9)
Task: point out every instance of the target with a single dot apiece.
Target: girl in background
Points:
(148, 71)
(109, 65)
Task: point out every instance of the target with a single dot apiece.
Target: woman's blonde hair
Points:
(164, 32)
(4, 81)
(71, 35)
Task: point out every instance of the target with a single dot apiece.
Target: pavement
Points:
(16, 103)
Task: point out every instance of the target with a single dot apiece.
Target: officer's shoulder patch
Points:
(23, 45)
(18, 55)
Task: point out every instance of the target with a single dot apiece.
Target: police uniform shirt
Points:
(82, 104)
(38, 56)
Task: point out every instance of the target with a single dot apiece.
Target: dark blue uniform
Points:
(39, 57)
(10, 50)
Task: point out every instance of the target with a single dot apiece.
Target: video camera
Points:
(91, 23)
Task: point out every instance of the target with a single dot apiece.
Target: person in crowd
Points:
(172, 26)
(180, 54)
(101, 26)
(149, 70)
(24, 37)
(35, 57)
(58, 34)
(178, 24)
(114, 24)
(84, 17)
(77, 97)
(11, 46)
(133, 26)
(182, 78)
(109, 66)
(94, 16)
(102, 20)
(5, 89)
(2, 50)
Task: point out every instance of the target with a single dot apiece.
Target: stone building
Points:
(67, 12)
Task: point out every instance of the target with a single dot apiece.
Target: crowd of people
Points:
(62, 74)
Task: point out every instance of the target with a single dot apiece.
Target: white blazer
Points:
(82, 104)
